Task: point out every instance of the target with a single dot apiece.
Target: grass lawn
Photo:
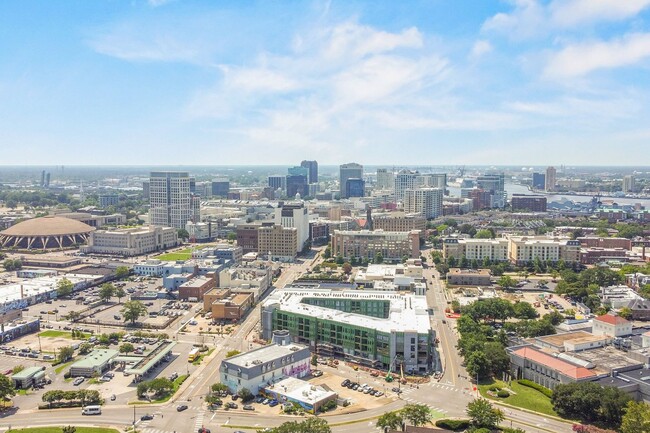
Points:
(198, 360)
(525, 397)
(177, 383)
(58, 430)
(55, 334)
(62, 367)
(175, 256)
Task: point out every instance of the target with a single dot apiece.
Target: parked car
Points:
(248, 407)
(231, 405)
(78, 381)
(273, 403)
(113, 397)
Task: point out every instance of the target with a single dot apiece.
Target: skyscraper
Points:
(385, 179)
(629, 184)
(539, 180)
(405, 179)
(551, 174)
(424, 201)
(312, 166)
(355, 188)
(351, 170)
(297, 184)
(170, 200)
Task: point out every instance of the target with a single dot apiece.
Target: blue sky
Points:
(275, 82)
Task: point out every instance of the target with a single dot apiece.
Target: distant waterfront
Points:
(513, 188)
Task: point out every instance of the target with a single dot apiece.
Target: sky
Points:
(435, 82)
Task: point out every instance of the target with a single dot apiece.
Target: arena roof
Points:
(48, 226)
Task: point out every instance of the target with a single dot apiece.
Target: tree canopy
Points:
(133, 310)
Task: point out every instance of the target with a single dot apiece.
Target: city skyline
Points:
(503, 83)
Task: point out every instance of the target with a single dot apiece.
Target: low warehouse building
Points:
(309, 397)
(28, 377)
(469, 277)
(95, 363)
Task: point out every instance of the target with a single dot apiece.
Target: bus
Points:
(194, 353)
(91, 410)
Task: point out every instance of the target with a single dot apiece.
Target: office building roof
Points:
(96, 358)
(263, 354)
(564, 367)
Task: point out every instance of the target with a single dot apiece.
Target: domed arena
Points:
(49, 232)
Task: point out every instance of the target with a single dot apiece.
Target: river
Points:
(514, 188)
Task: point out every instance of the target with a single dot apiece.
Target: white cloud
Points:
(582, 58)
(352, 40)
(258, 80)
(156, 3)
(566, 13)
(480, 48)
(532, 17)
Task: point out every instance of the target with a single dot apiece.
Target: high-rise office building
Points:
(355, 188)
(298, 171)
(278, 182)
(539, 180)
(312, 166)
(405, 179)
(351, 170)
(170, 200)
(551, 179)
(385, 179)
(433, 180)
(220, 187)
(629, 184)
(297, 184)
(424, 201)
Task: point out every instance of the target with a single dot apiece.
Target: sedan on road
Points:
(181, 408)
(146, 417)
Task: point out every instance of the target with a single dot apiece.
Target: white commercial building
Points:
(476, 249)
(294, 216)
(131, 242)
(170, 199)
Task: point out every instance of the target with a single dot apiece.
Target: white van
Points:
(91, 410)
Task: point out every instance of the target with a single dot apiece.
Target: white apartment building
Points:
(131, 242)
(170, 199)
(385, 179)
(495, 250)
(424, 201)
(524, 249)
(405, 179)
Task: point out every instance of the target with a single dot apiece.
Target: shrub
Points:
(503, 394)
(495, 389)
(453, 424)
(529, 383)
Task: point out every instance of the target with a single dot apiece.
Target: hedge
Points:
(453, 424)
(529, 383)
(503, 394)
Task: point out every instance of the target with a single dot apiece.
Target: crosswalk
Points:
(198, 421)
(154, 430)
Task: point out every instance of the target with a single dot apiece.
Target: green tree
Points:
(314, 359)
(310, 425)
(636, 418)
(327, 253)
(379, 258)
(122, 272)
(506, 282)
(625, 312)
(347, 268)
(119, 294)
(590, 402)
(231, 236)
(477, 365)
(64, 287)
(73, 316)
(69, 429)
(65, 353)
(416, 414)
(133, 310)
(218, 387)
(106, 292)
(484, 234)
(6, 388)
(160, 386)
(246, 395)
(482, 414)
(184, 234)
(126, 348)
(523, 310)
(232, 353)
(391, 420)
(499, 361)
(85, 348)
(340, 260)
